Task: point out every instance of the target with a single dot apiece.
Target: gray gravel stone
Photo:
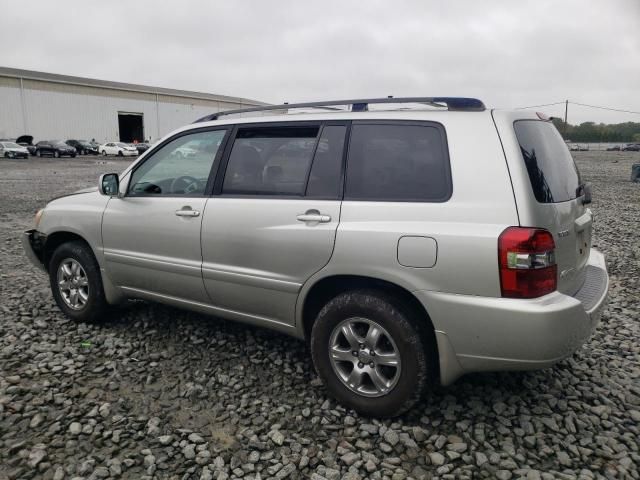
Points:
(216, 400)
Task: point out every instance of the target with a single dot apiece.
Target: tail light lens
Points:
(527, 262)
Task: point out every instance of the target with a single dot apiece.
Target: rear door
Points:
(548, 191)
(272, 220)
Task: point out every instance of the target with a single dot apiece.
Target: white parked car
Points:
(13, 150)
(118, 148)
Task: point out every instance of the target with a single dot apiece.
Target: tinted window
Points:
(397, 162)
(324, 179)
(270, 161)
(181, 167)
(552, 172)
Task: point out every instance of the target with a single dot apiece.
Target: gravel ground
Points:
(159, 393)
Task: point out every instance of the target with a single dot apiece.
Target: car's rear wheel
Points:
(82, 152)
(371, 352)
(6, 155)
(76, 283)
(104, 153)
(38, 153)
(120, 154)
(56, 154)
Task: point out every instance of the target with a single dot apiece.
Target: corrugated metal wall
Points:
(50, 110)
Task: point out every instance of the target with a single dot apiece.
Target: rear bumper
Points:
(33, 243)
(491, 334)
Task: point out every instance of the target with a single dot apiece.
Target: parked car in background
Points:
(141, 147)
(13, 150)
(631, 147)
(26, 141)
(372, 235)
(118, 148)
(615, 148)
(54, 148)
(83, 147)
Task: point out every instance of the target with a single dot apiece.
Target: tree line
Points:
(599, 132)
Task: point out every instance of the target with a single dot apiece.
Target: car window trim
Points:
(320, 124)
(343, 160)
(417, 123)
(161, 145)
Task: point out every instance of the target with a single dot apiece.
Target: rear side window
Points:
(552, 171)
(270, 161)
(395, 162)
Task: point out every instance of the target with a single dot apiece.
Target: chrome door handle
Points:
(313, 216)
(187, 213)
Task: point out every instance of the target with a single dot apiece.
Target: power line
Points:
(543, 105)
(604, 108)
(582, 105)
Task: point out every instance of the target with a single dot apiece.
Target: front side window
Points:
(181, 167)
(395, 162)
(270, 161)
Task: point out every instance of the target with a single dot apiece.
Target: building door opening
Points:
(131, 127)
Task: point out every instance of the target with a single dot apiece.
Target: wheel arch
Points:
(112, 292)
(324, 289)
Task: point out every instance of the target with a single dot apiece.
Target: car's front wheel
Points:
(76, 283)
(56, 154)
(370, 350)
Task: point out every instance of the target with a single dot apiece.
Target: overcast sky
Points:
(508, 53)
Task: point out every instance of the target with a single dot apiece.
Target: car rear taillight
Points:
(527, 262)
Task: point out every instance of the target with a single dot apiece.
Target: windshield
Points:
(10, 145)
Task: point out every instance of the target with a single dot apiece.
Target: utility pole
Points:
(566, 111)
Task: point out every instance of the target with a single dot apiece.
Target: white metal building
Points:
(50, 106)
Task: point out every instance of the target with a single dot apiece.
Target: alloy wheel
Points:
(364, 356)
(73, 283)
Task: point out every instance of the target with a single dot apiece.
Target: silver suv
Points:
(408, 241)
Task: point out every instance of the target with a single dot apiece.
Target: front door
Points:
(151, 235)
(272, 220)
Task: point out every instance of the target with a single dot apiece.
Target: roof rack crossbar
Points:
(362, 105)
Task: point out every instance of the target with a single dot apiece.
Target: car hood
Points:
(25, 139)
(16, 149)
(79, 192)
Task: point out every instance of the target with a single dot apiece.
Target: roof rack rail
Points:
(362, 105)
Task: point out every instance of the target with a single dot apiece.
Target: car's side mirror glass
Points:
(109, 184)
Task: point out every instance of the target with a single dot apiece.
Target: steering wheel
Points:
(190, 184)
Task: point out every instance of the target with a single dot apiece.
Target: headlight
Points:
(39, 214)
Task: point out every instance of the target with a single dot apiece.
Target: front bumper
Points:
(492, 334)
(33, 245)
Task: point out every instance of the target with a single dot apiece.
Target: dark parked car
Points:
(615, 148)
(631, 147)
(83, 147)
(55, 148)
(26, 141)
(141, 147)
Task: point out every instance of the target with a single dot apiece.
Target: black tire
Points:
(411, 335)
(38, 153)
(73, 155)
(96, 306)
(6, 155)
(56, 154)
(82, 152)
(120, 154)
(104, 153)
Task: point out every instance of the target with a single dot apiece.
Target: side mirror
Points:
(109, 184)
(586, 191)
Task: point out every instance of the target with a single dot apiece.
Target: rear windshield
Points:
(552, 171)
